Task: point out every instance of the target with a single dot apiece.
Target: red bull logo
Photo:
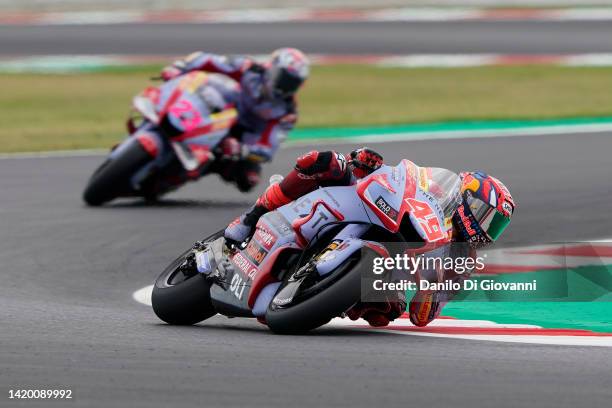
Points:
(466, 221)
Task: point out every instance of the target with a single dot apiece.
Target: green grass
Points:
(41, 112)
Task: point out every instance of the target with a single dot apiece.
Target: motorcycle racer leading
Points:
(482, 215)
(265, 100)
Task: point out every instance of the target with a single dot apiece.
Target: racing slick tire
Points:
(182, 300)
(323, 306)
(112, 178)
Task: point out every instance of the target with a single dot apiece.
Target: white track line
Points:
(459, 134)
(598, 341)
(372, 138)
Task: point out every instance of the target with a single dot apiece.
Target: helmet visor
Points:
(284, 83)
(491, 221)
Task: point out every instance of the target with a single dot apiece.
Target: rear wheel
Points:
(317, 304)
(182, 297)
(112, 178)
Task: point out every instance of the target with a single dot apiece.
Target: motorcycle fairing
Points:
(392, 192)
(251, 267)
(309, 214)
(333, 258)
(193, 104)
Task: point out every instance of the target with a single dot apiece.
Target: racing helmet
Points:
(485, 210)
(286, 71)
(364, 161)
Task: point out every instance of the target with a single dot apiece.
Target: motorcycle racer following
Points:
(265, 101)
(483, 214)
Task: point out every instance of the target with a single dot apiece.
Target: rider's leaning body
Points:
(265, 101)
(484, 212)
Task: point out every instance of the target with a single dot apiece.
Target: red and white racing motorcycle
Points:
(183, 121)
(301, 268)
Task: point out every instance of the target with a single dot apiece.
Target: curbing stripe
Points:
(306, 14)
(463, 329)
(92, 63)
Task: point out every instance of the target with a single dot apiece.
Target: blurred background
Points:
(395, 62)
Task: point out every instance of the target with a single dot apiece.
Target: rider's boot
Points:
(243, 227)
(379, 314)
(425, 307)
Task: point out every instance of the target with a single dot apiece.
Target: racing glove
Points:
(230, 149)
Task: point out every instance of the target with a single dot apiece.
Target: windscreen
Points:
(444, 186)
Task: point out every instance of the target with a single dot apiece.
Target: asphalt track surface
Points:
(514, 37)
(67, 319)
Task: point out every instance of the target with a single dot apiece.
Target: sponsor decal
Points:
(410, 168)
(282, 301)
(386, 208)
(264, 237)
(466, 221)
(302, 203)
(507, 207)
(423, 179)
(255, 253)
(244, 265)
(237, 286)
(279, 223)
(395, 174)
(190, 83)
(331, 197)
(327, 253)
(435, 204)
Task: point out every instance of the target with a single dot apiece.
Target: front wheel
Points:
(180, 297)
(112, 178)
(319, 303)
